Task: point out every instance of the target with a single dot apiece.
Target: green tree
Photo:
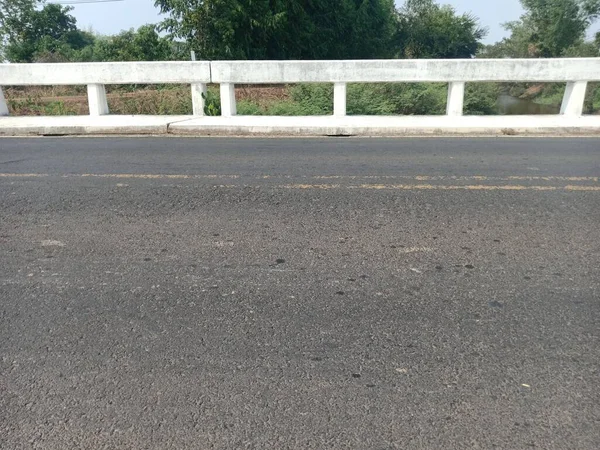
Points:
(282, 29)
(428, 30)
(145, 44)
(13, 15)
(556, 25)
(30, 33)
(548, 29)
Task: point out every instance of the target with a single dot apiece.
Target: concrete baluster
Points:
(456, 98)
(3, 105)
(339, 99)
(97, 100)
(228, 106)
(572, 104)
(198, 93)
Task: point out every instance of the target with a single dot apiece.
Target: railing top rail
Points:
(368, 71)
(407, 70)
(105, 73)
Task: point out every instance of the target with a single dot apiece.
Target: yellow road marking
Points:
(582, 188)
(440, 187)
(149, 176)
(315, 177)
(22, 175)
(379, 186)
(310, 186)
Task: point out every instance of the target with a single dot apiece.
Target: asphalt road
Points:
(299, 293)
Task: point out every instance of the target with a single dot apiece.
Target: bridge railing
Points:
(97, 75)
(576, 72)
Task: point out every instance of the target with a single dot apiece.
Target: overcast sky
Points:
(110, 18)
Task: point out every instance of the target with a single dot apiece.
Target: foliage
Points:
(13, 13)
(481, 99)
(385, 99)
(212, 103)
(428, 30)
(547, 29)
(282, 29)
(31, 34)
(145, 44)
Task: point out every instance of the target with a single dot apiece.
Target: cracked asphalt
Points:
(299, 293)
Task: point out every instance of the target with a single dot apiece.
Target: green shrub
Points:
(376, 99)
(368, 99)
(481, 99)
(58, 108)
(313, 99)
(592, 99)
(248, 108)
(212, 102)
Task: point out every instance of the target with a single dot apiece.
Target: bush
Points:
(312, 99)
(592, 99)
(481, 99)
(373, 99)
(212, 102)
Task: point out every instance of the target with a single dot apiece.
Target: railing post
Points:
(97, 100)
(228, 107)
(456, 98)
(198, 93)
(339, 99)
(572, 104)
(3, 105)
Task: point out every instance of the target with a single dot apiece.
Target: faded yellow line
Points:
(314, 177)
(310, 186)
(554, 178)
(434, 177)
(149, 176)
(23, 175)
(379, 186)
(507, 178)
(472, 187)
(440, 187)
(581, 188)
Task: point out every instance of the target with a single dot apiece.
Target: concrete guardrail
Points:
(576, 72)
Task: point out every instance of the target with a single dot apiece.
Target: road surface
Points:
(299, 293)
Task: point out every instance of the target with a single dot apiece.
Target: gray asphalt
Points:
(299, 293)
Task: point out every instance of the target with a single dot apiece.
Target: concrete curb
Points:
(377, 126)
(86, 125)
(389, 126)
(378, 132)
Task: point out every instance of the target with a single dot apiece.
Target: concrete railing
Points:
(96, 75)
(575, 72)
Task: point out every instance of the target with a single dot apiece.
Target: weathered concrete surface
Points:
(299, 293)
(389, 126)
(303, 126)
(105, 73)
(84, 125)
(404, 70)
(393, 70)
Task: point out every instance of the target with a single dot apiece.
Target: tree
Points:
(547, 29)
(556, 25)
(428, 30)
(13, 13)
(145, 44)
(31, 34)
(282, 29)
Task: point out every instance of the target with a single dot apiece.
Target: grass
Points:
(293, 100)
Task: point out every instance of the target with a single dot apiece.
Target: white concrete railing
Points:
(576, 72)
(96, 75)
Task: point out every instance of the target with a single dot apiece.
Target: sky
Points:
(110, 18)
